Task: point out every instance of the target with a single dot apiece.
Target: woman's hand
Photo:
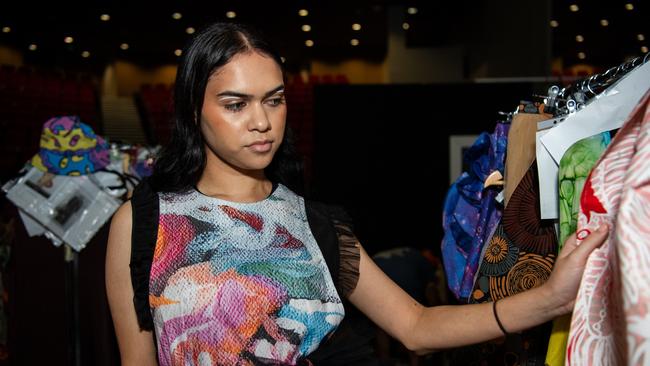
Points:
(562, 287)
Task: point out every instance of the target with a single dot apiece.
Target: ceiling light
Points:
(303, 12)
(580, 38)
(178, 52)
(644, 49)
(412, 10)
(581, 55)
(629, 6)
(604, 22)
(85, 54)
(574, 7)
(309, 43)
(640, 37)
(177, 16)
(406, 26)
(190, 30)
(306, 27)
(6, 29)
(554, 23)
(105, 17)
(32, 47)
(231, 14)
(68, 39)
(124, 46)
(354, 42)
(356, 26)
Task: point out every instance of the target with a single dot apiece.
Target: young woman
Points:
(215, 261)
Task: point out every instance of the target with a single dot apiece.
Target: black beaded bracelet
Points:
(494, 309)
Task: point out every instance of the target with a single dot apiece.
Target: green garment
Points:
(575, 166)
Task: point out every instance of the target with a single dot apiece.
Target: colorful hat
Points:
(70, 147)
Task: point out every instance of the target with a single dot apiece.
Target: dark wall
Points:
(382, 152)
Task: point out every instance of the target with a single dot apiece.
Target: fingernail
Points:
(603, 228)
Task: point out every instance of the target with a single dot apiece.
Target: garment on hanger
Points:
(471, 213)
(519, 256)
(610, 323)
(521, 149)
(575, 166)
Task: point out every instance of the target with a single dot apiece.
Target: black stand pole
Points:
(71, 258)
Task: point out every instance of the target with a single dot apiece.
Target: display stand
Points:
(71, 258)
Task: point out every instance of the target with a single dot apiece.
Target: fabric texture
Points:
(330, 226)
(70, 147)
(611, 322)
(574, 169)
(471, 213)
(519, 256)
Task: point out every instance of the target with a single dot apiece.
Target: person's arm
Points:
(136, 346)
(425, 330)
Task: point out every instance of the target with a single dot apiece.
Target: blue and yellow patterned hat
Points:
(70, 147)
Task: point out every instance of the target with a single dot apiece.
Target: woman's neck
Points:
(229, 183)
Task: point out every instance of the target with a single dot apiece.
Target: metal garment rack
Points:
(575, 96)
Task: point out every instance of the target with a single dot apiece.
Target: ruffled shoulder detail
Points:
(145, 208)
(332, 227)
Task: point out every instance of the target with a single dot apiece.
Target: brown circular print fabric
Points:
(522, 220)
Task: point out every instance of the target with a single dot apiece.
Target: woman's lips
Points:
(261, 146)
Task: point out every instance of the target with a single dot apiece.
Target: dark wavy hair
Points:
(182, 161)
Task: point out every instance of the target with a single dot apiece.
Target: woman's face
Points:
(244, 112)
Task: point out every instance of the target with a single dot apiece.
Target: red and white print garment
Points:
(611, 317)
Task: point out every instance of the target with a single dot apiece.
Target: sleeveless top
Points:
(223, 282)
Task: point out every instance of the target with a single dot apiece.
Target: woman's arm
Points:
(136, 346)
(423, 329)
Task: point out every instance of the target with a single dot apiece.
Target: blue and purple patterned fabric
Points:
(471, 212)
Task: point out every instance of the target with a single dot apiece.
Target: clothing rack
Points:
(575, 96)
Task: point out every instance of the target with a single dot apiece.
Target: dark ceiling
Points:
(153, 34)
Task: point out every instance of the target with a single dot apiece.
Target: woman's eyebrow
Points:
(230, 93)
(274, 90)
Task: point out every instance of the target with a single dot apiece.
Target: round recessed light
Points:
(354, 42)
(582, 55)
(306, 27)
(640, 37)
(604, 22)
(68, 39)
(644, 49)
(580, 38)
(629, 6)
(412, 10)
(105, 17)
(124, 46)
(177, 16)
(554, 23)
(178, 52)
(356, 26)
(6, 29)
(406, 26)
(190, 30)
(85, 54)
(309, 43)
(32, 47)
(574, 7)
(303, 12)
(231, 14)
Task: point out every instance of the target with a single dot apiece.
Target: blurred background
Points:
(375, 89)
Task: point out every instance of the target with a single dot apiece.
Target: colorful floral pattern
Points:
(239, 283)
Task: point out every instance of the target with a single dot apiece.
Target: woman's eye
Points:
(276, 101)
(235, 107)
